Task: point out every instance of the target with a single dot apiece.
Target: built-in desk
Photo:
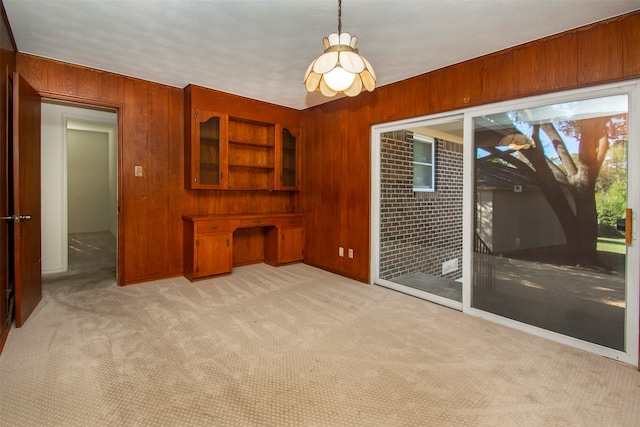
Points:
(214, 244)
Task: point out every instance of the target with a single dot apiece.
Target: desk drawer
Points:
(255, 222)
(209, 227)
(293, 222)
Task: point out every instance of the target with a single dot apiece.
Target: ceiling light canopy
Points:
(340, 69)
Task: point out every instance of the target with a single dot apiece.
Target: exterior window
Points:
(423, 164)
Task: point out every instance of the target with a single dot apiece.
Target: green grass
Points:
(614, 245)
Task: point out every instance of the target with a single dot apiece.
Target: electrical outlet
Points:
(340, 251)
(137, 170)
(350, 253)
(450, 266)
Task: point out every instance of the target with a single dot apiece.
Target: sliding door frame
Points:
(632, 319)
(632, 277)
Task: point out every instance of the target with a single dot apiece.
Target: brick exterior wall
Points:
(419, 231)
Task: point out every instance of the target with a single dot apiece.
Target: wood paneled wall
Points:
(151, 134)
(335, 140)
(337, 135)
(335, 187)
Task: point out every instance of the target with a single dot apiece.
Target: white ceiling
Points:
(261, 48)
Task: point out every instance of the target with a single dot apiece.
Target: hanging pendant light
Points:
(340, 69)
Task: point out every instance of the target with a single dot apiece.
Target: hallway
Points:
(92, 260)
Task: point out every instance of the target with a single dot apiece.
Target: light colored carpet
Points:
(291, 346)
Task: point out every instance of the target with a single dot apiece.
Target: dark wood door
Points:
(26, 198)
(5, 261)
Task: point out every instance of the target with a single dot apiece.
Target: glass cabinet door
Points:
(209, 150)
(208, 139)
(289, 159)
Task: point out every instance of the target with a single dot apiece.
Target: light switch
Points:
(137, 170)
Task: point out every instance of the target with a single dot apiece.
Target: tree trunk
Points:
(579, 219)
(594, 145)
(587, 226)
(569, 192)
(556, 197)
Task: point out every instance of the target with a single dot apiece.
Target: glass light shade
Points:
(338, 79)
(517, 141)
(340, 69)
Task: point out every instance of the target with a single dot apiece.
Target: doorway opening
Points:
(79, 193)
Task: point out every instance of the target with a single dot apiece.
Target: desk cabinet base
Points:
(209, 242)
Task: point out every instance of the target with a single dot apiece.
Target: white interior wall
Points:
(55, 121)
(87, 181)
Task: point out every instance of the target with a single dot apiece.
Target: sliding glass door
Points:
(418, 207)
(551, 225)
(521, 212)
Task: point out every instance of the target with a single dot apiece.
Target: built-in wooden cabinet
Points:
(208, 242)
(206, 166)
(228, 152)
(285, 244)
(207, 248)
(211, 254)
(252, 147)
(288, 160)
(292, 245)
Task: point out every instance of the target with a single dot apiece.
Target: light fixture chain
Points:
(339, 17)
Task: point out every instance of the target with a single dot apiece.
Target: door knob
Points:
(17, 218)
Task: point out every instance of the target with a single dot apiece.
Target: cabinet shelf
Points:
(252, 144)
(247, 166)
(209, 166)
(228, 152)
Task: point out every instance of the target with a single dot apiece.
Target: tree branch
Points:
(603, 147)
(560, 147)
(594, 144)
(558, 173)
